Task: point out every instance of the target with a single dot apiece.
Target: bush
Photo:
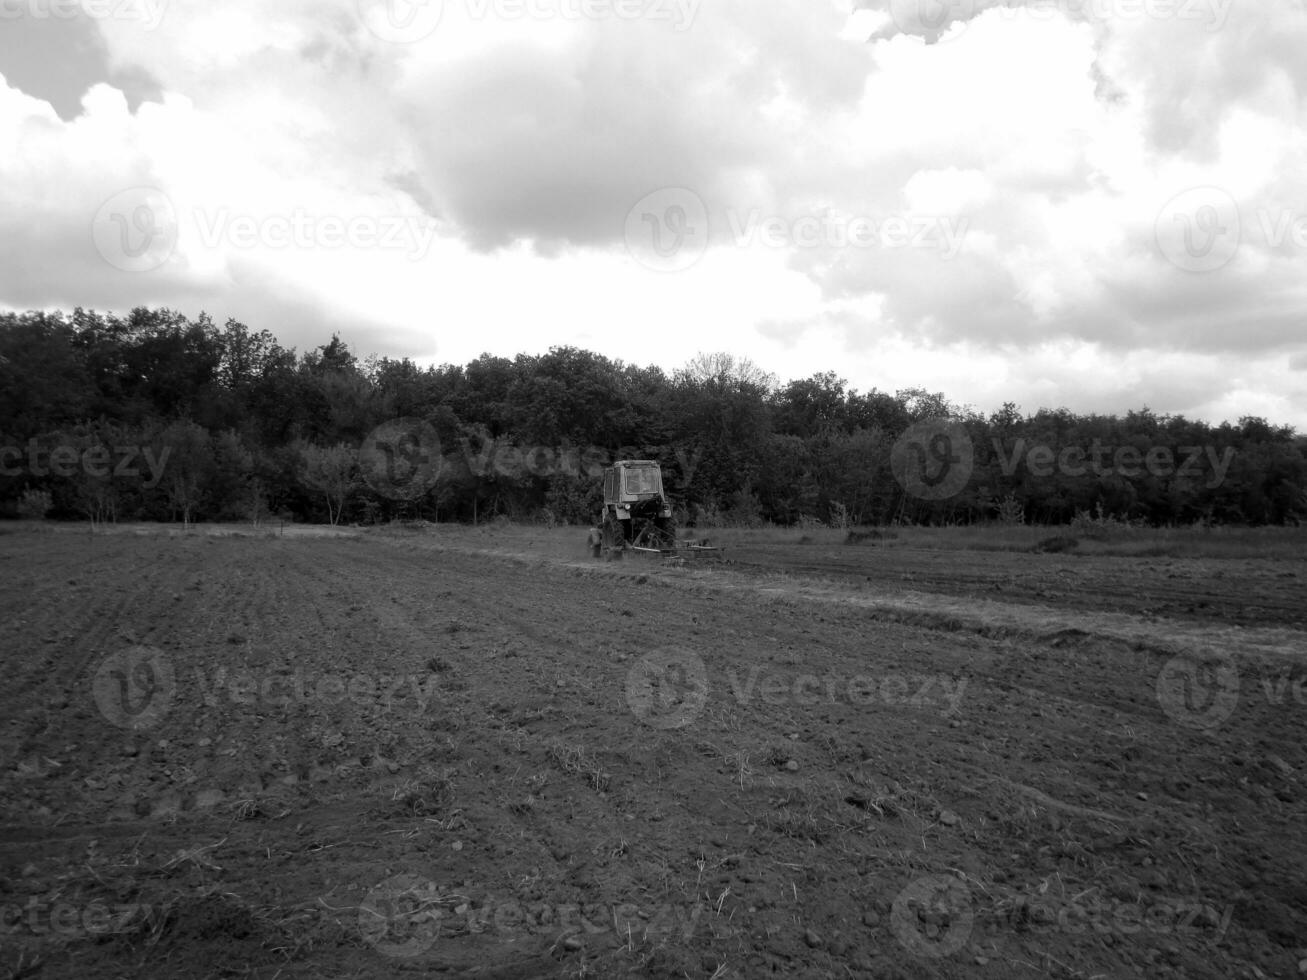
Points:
(745, 509)
(1101, 526)
(1010, 512)
(572, 500)
(858, 537)
(709, 514)
(1060, 543)
(34, 504)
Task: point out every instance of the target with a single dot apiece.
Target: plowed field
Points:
(452, 753)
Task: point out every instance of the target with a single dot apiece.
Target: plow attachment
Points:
(650, 540)
(681, 551)
(678, 552)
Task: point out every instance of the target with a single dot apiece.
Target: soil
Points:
(452, 753)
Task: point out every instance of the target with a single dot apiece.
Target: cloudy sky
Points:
(1097, 204)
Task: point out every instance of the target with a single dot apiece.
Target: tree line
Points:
(154, 416)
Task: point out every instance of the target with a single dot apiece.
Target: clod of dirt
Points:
(1280, 764)
(212, 917)
(207, 798)
(1153, 879)
(812, 939)
(168, 805)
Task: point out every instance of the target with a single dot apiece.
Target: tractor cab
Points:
(633, 481)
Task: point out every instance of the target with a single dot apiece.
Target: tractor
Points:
(637, 516)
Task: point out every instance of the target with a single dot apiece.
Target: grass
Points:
(1187, 542)
(1216, 543)
(576, 760)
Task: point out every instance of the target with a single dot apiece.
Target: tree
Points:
(245, 355)
(568, 396)
(187, 454)
(720, 371)
(333, 472)
(716, 408)
(228, 415)
(233, 493)
(43, 377)
(171, 363)
(95, 488)
(335, 356)
(922, 404)
(812, 406)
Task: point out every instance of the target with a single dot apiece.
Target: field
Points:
(478, 752)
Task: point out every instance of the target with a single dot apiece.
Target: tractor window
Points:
(644, 480)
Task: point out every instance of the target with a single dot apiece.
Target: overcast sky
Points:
(1097, 204)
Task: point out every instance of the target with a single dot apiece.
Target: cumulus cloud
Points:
(555, 143)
